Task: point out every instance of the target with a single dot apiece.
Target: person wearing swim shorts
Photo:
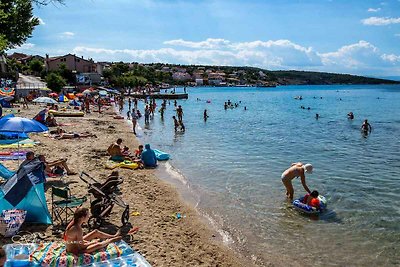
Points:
(296, 170)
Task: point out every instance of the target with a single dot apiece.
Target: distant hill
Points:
(292, 77)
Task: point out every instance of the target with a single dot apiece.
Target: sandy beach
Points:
(163, 239)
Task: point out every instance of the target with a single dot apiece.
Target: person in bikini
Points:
(296, 170)
(77, 243)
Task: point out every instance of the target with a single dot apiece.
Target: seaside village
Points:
(77, 187)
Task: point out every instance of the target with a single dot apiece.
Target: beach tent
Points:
(74, 103)
(25, 190)
(70, 96)
(4, 103)
(62, 98)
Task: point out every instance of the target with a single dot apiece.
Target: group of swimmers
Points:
(229, 104)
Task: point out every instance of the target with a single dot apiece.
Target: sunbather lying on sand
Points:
(51, 167)
(61, 134)
(78, 243)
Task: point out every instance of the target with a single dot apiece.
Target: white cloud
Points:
(379, 21)
(67, 35)
(41, 22)
(397, 34)
(374, 9)
(358, 58)
(210, 43)
(391, 58)
(354, 56)
(26, 46)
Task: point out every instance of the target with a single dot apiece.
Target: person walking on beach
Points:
(296, 170)
(179, 112)
(366, 128)
(121, 104)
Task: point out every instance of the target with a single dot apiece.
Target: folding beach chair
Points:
(63, 204)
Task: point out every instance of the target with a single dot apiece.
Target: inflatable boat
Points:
(302, 207)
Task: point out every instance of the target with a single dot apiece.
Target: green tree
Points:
(66, 73)
(16, 21)
(36, 66)
(55, 82)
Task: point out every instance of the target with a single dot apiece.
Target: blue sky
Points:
(344, 36)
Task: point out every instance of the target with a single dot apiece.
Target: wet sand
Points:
(163, 239)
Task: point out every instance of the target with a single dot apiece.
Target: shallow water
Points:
(234, 160)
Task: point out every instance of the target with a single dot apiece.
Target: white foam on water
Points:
(175, 173)
(227, 239)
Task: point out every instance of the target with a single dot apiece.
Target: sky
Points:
(359, 37)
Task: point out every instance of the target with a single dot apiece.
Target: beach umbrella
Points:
(53, 95)
(102, 93)
(87, 92)
(21, 125)
(44, 99)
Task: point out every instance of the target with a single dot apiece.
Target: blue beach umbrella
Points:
(21, 125)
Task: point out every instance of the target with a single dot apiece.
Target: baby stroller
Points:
(105, 198)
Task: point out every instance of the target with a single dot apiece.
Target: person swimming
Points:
(350, 115)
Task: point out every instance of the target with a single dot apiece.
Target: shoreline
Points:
(162, 239)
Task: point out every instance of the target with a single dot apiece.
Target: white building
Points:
(199, 82)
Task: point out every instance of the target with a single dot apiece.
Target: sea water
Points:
(233, 163)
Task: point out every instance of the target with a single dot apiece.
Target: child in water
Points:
(312, 199)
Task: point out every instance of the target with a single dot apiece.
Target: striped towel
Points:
(54, 254)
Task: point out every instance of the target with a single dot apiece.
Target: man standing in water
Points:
(134, 121)
(296, 170)
(205, 115)
(179, 112)
(366, 128)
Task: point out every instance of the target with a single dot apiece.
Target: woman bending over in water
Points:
(296, 170)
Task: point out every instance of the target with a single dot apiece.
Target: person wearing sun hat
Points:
(297, 169)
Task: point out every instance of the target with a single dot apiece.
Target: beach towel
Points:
(26, 143)
(12, 157)
(54, 254)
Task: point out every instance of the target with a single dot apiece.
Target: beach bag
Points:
(11, 221)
